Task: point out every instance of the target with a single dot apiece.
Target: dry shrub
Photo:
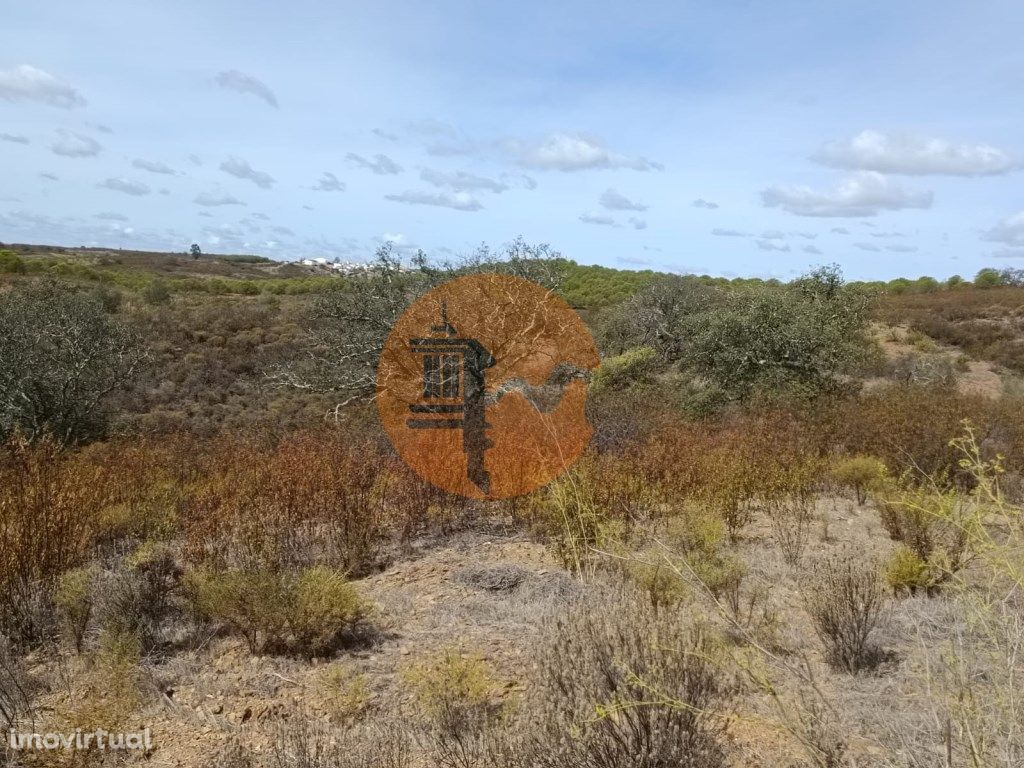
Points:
(301, 743)
(846, 603)
(50, 503)
(618, 683)
(74, 601)
(135, 597)
(308, 612)
(15, 697)
(348, 694)
(312, 498)
(791, 517)
(112, 689)
(456, 695)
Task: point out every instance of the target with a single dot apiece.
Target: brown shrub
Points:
(845, 600)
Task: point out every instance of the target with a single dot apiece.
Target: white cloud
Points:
(49, 176)
(868, 247)
(153, 166)
(26, 83)
(71, 144)
(574, 152)
(14, 138)
(865, 193)
(459, 201)
(1009, 253)
(240, 169)
(240, 82)
(719, 232)
(813, 250)
(125, 186)
(460, 181)
(897, 248)
(110, 216)
(384, 134)
(768, 245)
(614, 200)
(840, 231)
(382, 165)
(637, 223)
(1009, 231)
(773, 234)
(700, 202)
(913, 155)
(600, 219)
(210, 199)
(328, 182)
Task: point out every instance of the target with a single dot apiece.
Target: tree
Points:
(800, 338)
(988, 278)
(347, 326)
(61, 357)
(195, 250)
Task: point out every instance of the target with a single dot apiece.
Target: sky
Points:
(726, 138)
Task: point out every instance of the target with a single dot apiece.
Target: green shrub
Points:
(905, 571)
(11, 263)
(619, 372)
(864, 474)
(305, 612)
(156, 292)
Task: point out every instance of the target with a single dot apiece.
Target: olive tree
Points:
(61, 357)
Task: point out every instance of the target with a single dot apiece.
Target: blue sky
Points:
(730, 138)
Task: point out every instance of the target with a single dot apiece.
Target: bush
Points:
(932, 524)
(73, 599)
(846, 604)
(11, 264)
(306, 612)
(61, 356)
(111, 692)
(622, 371)
(156, 292)
(905, 571)
(864, 474)
(452, 689)
(618, 684)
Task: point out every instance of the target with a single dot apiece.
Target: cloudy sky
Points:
(719, 137)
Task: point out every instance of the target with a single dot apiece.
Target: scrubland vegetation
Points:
(795, 540)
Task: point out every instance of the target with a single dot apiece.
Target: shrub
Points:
(845, 601)
(347, 694)
(73, 599)
(15, 697)
(864, 474)
(11, 264)
(50, 501)
(156, 292)
(906, 571)
(617, 681)
(313, 498)
(110, 693)
(306, 612)
(791, 517)
(934, 525)
(622, 371)
(61, 356)
(452, 689)
(302, 743)
(136, 596)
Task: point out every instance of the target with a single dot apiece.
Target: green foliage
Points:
(11, 263)
(863, 474)
(622, 371)
(450, 680)
(799, 339)
(61, 355)
(306, 612)
(905, 571)
(156, 292)
(988, 278)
